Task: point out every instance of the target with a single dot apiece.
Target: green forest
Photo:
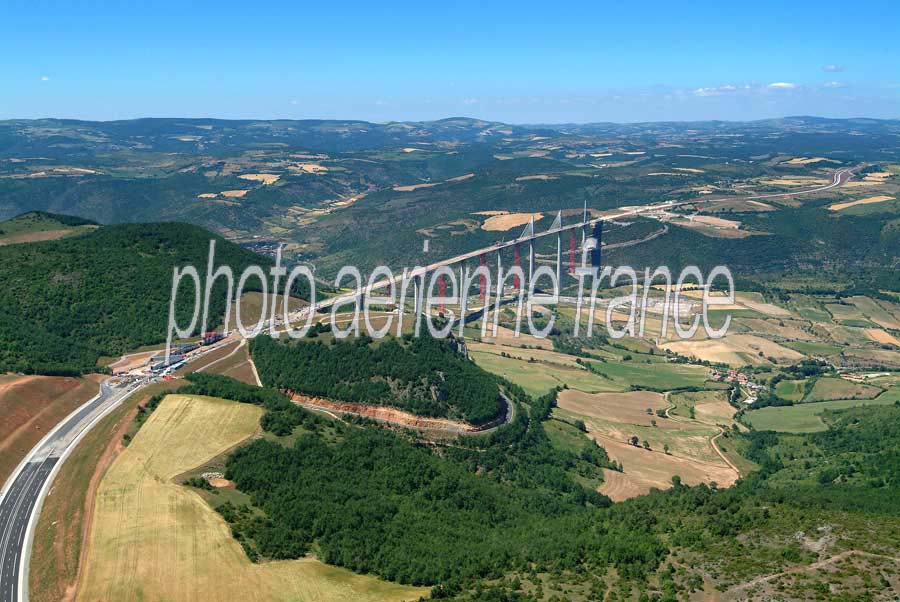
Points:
(422, 375)
(65, 303)
(462, 516)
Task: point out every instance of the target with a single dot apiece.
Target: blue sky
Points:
(521, 62)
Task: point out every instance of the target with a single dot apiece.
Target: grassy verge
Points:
(61, 526)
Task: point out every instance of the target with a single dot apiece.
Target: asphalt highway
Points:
(21, 499)
(27, 488)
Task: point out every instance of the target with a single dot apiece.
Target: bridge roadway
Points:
(26, 488)
(838, 178)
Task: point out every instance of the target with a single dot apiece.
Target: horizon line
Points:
(451, 118)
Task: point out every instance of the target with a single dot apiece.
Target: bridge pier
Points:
(571, 251)
(559, 259)
(597, 252)
(530, 262)
(482, 280)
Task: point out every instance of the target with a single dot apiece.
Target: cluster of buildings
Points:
(179, 352)
(269, 248)
(735, 376)
(863, 377)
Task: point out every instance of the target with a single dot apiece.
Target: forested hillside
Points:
(508, 506)
(422, 375)
(65, 303)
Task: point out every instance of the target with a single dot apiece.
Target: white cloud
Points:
(834, 68)
(834, 85)
(45, 78)
(715, 91)
(783, 85)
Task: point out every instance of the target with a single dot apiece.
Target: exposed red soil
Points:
(31, 406)
(384, 413)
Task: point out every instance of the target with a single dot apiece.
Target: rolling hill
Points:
(65, 303)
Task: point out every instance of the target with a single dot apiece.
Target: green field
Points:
(830, 389)
(875, 312)
(654, 375)
(38, 225)
(793, 390)
(804, 418)
(808, 348)
(813, 313)
(538, 379)
(565, 436)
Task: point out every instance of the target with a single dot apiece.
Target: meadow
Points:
(804, 418)
(177, 548)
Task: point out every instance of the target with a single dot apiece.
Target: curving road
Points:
(24, 492)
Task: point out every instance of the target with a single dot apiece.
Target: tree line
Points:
(422, 375)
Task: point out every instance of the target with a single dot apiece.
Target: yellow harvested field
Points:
(878, 175)
(808, 161)
(791, 329)
(490, 213)
(646, 469)
(265, 178)
(734, 350)
(629, 407)
(619, 486)
(685, 286)
(714, 412)
(539, 355)
(866, 201)
(152, 539)
(207, 195)
(688, 169)
(716, 221)
(536, 177)
(235, 193)
(756, 302)
(664, 173)
(349, 200)
(411, 187)
(863, 184)
(760, 204)
(612, 418)
(507, 336)
(308, 167)
(14, 239)
(795, 181)
(882, 336)
(695, 293)
(601, 155)
(461, 178)
(410, 149)
(883, 313)
(501, 223)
